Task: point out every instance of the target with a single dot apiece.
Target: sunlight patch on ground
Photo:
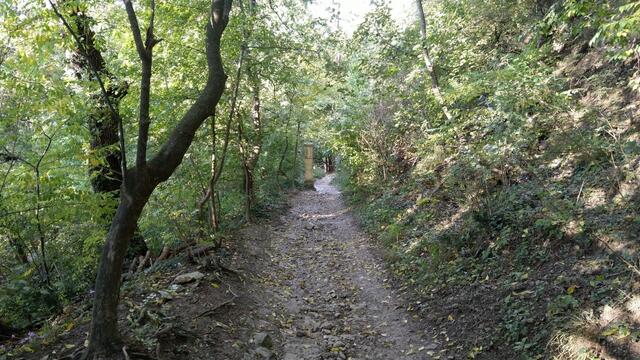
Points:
(440, 228)
(594, 197)
(633, 307)
(608, 332)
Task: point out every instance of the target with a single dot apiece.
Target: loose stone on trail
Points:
(189, 277)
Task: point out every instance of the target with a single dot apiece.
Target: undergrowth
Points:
(525, 206)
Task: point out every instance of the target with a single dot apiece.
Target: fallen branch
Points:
(138, 264)
(231, 291)
(164, 254)
(144, 260)
(126, 355)
(192, 253)
(175, 330)
(202, 250)
(132, 267)
(213, 263)
(631, 267)
(181, 248)
(211, 311)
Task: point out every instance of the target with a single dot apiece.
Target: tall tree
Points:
(140, 181)
(217, 165)
(250, 146)
(428, 61)
(106, 175)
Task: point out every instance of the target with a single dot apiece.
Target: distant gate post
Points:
(308, 165)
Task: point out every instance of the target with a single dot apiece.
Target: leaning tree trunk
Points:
(104, 339)
(141, 180)
(435, 86)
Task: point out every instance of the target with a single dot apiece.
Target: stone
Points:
(327, 325)
(264, 353)
(165, 295)
(310, 325)
(263, 339)
(430, 346)
(189, 277)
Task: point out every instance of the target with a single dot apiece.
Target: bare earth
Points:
(330, 294)
(309, 282)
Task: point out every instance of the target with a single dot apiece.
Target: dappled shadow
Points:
(530, 250)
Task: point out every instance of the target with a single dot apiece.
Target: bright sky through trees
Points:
(352, 12)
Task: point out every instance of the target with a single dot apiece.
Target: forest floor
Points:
(319, 290)
(306, 284)
(330, 289)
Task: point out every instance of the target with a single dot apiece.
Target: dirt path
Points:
(331, 295)
(304, 286)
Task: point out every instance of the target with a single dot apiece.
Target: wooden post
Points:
(308, 165)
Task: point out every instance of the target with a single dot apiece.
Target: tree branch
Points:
(135, 29)
(162, 165)
(8, 157)
(435, 87)
(145, 52)
(232, 111)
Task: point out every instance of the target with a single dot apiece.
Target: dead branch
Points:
(631, 267)
(211, 311)
(144, 260)
(132, 267)
(164, 254)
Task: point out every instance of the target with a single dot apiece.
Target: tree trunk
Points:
(104, 340)
(19, 248)
(280, 169)
(329, 166)
(250, 146)
(106, 176)
(435, 87)
(140, 181)
(213, 210)
(257, 145)
(216, 169)
(248, 191)
(87, 61)
(295, 151)
(250, 149)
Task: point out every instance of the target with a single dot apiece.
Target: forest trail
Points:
(332, 294)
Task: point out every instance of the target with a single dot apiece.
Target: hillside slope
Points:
(516, 223)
